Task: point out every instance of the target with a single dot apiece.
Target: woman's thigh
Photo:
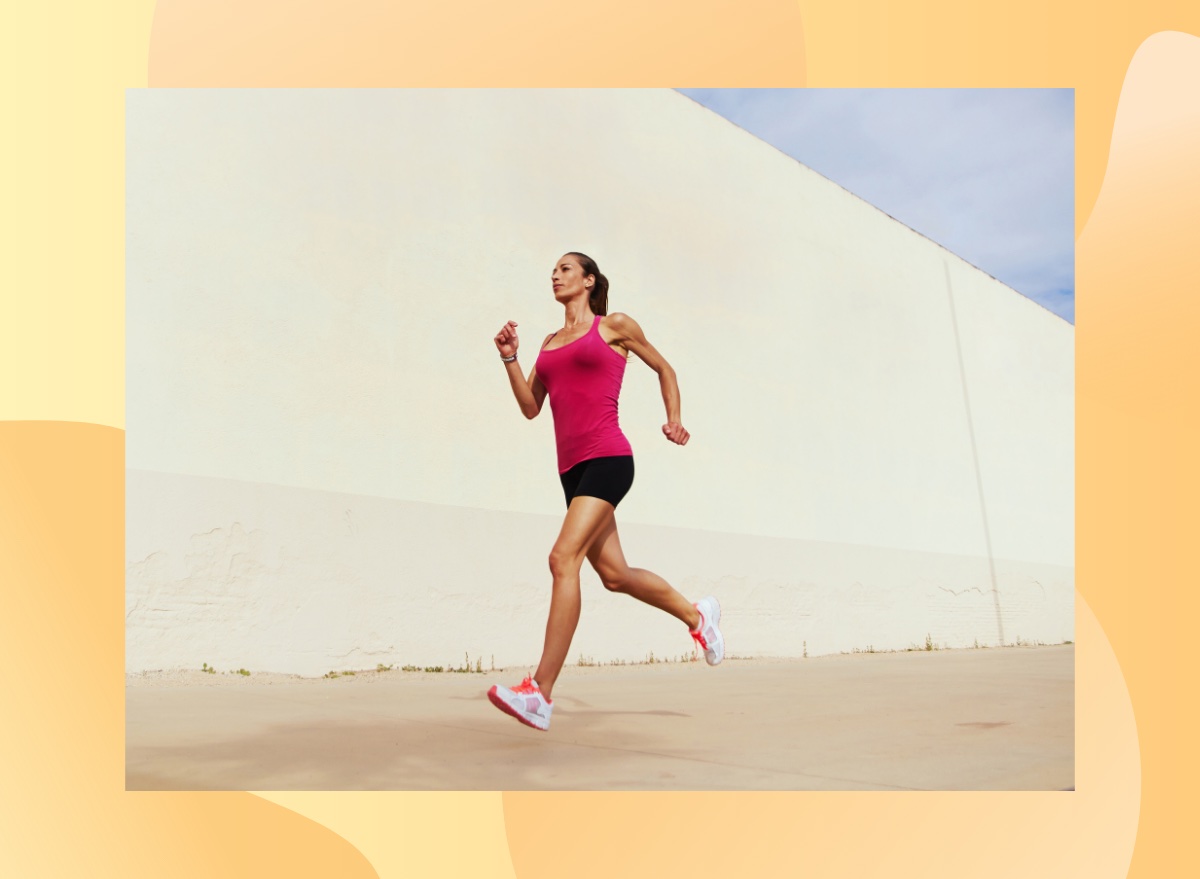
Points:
(587, 519)
(606, 556)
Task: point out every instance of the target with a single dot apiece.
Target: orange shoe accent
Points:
(698, 634)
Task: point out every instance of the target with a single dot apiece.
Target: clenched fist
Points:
(506, 339)
(676, 433)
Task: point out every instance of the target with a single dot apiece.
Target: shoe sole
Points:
(716, 621)
(495, 699)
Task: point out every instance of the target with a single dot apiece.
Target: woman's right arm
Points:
(530, 393)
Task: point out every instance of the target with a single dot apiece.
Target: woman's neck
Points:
(578, 312)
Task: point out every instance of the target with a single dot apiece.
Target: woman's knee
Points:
(614, 579)
(564, 561)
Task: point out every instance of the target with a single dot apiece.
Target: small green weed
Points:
(466, 668)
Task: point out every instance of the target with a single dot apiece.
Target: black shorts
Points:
(606, 478)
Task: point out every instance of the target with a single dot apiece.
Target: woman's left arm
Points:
(629, 335)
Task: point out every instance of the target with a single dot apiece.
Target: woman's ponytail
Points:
(599, 296)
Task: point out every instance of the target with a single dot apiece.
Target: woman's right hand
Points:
(506, 339)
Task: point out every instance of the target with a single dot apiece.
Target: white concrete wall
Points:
(327, 469)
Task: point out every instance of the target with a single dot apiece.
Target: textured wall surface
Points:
(327, 469)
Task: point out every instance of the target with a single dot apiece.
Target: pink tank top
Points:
(583, 382)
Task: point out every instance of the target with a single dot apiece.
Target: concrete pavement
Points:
(987, 719)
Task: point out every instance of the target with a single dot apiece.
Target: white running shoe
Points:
(525, 702)
(708, 635)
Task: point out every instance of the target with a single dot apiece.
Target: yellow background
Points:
(64, 810)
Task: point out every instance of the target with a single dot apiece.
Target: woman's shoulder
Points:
(621, 325)
(618, 320)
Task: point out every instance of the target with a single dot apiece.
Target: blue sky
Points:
(987, 173)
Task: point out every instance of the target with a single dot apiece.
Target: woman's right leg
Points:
(609, 562)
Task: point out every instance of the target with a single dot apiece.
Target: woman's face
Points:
(568, 279)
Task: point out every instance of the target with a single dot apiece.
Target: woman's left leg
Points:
(587, 518)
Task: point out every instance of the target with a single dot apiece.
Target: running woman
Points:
(580, 368)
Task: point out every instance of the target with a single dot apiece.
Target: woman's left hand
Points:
(676, 433)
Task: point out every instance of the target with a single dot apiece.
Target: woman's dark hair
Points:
(599, 297)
